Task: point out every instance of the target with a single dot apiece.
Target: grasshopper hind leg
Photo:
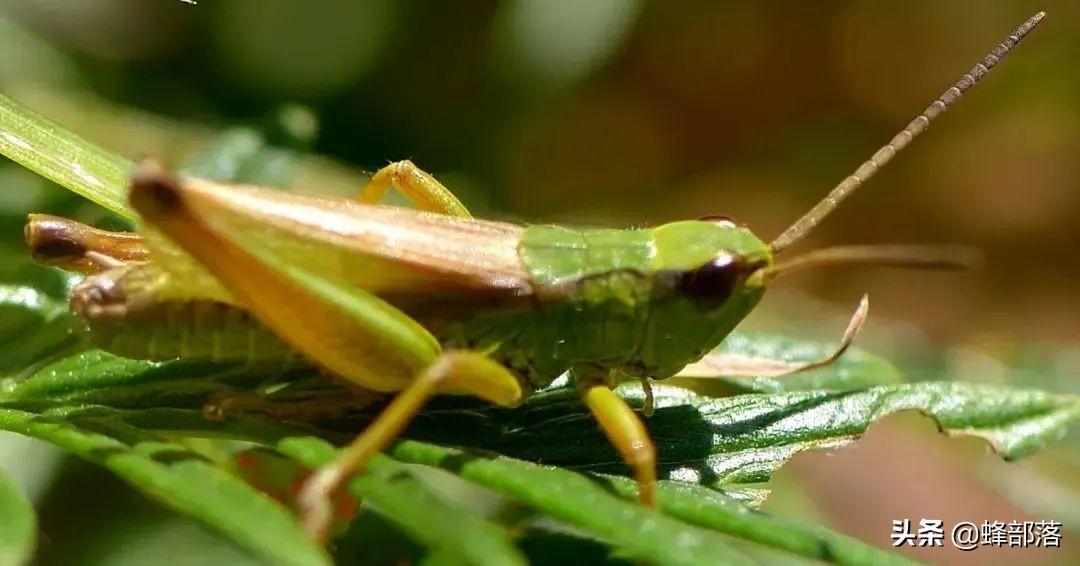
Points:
(348, 331)
(458, 371)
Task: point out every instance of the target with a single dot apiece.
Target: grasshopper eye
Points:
(714, 281)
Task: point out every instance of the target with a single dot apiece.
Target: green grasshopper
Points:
(432, 301)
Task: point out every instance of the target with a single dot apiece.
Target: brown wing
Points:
(382, 249)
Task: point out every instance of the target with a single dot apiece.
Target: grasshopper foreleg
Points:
(738, 365)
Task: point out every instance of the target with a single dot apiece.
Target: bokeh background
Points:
(630, 112)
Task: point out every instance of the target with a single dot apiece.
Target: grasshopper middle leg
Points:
(626, 432)
(420, 187)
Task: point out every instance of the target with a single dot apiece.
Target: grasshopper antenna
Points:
(815, 215)
(911, 257)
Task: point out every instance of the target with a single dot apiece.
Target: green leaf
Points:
(710, 508)
(393, 492)
(180, 479)
(34, 328)
(59, 155)
(98, 377)
(583, 502)
(643, 534)
(738, 439)
(749, 436)
(17, 268)
(546, 548)
(19, 530)
(743, 439)
(638, 532)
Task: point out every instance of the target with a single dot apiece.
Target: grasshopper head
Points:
(711, 259)
(711, 273)
(704, 284)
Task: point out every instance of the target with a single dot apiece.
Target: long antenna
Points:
(912, 257)
(804, 225)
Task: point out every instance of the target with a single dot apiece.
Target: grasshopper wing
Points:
(311, 269)
(380, 249)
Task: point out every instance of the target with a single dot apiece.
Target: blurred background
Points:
(630, 113)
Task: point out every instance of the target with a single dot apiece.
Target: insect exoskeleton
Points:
(433, 301)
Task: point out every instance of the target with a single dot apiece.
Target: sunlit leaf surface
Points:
(63, 157)
(19, 525)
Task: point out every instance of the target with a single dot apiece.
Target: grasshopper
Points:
(426, 301)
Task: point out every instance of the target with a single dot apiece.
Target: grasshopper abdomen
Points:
(122, 315)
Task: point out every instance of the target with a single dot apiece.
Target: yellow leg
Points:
(425, 191)
(626, 432)
(459, 371)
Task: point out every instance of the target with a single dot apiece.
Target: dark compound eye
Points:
(720, 219)
(714, 281)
